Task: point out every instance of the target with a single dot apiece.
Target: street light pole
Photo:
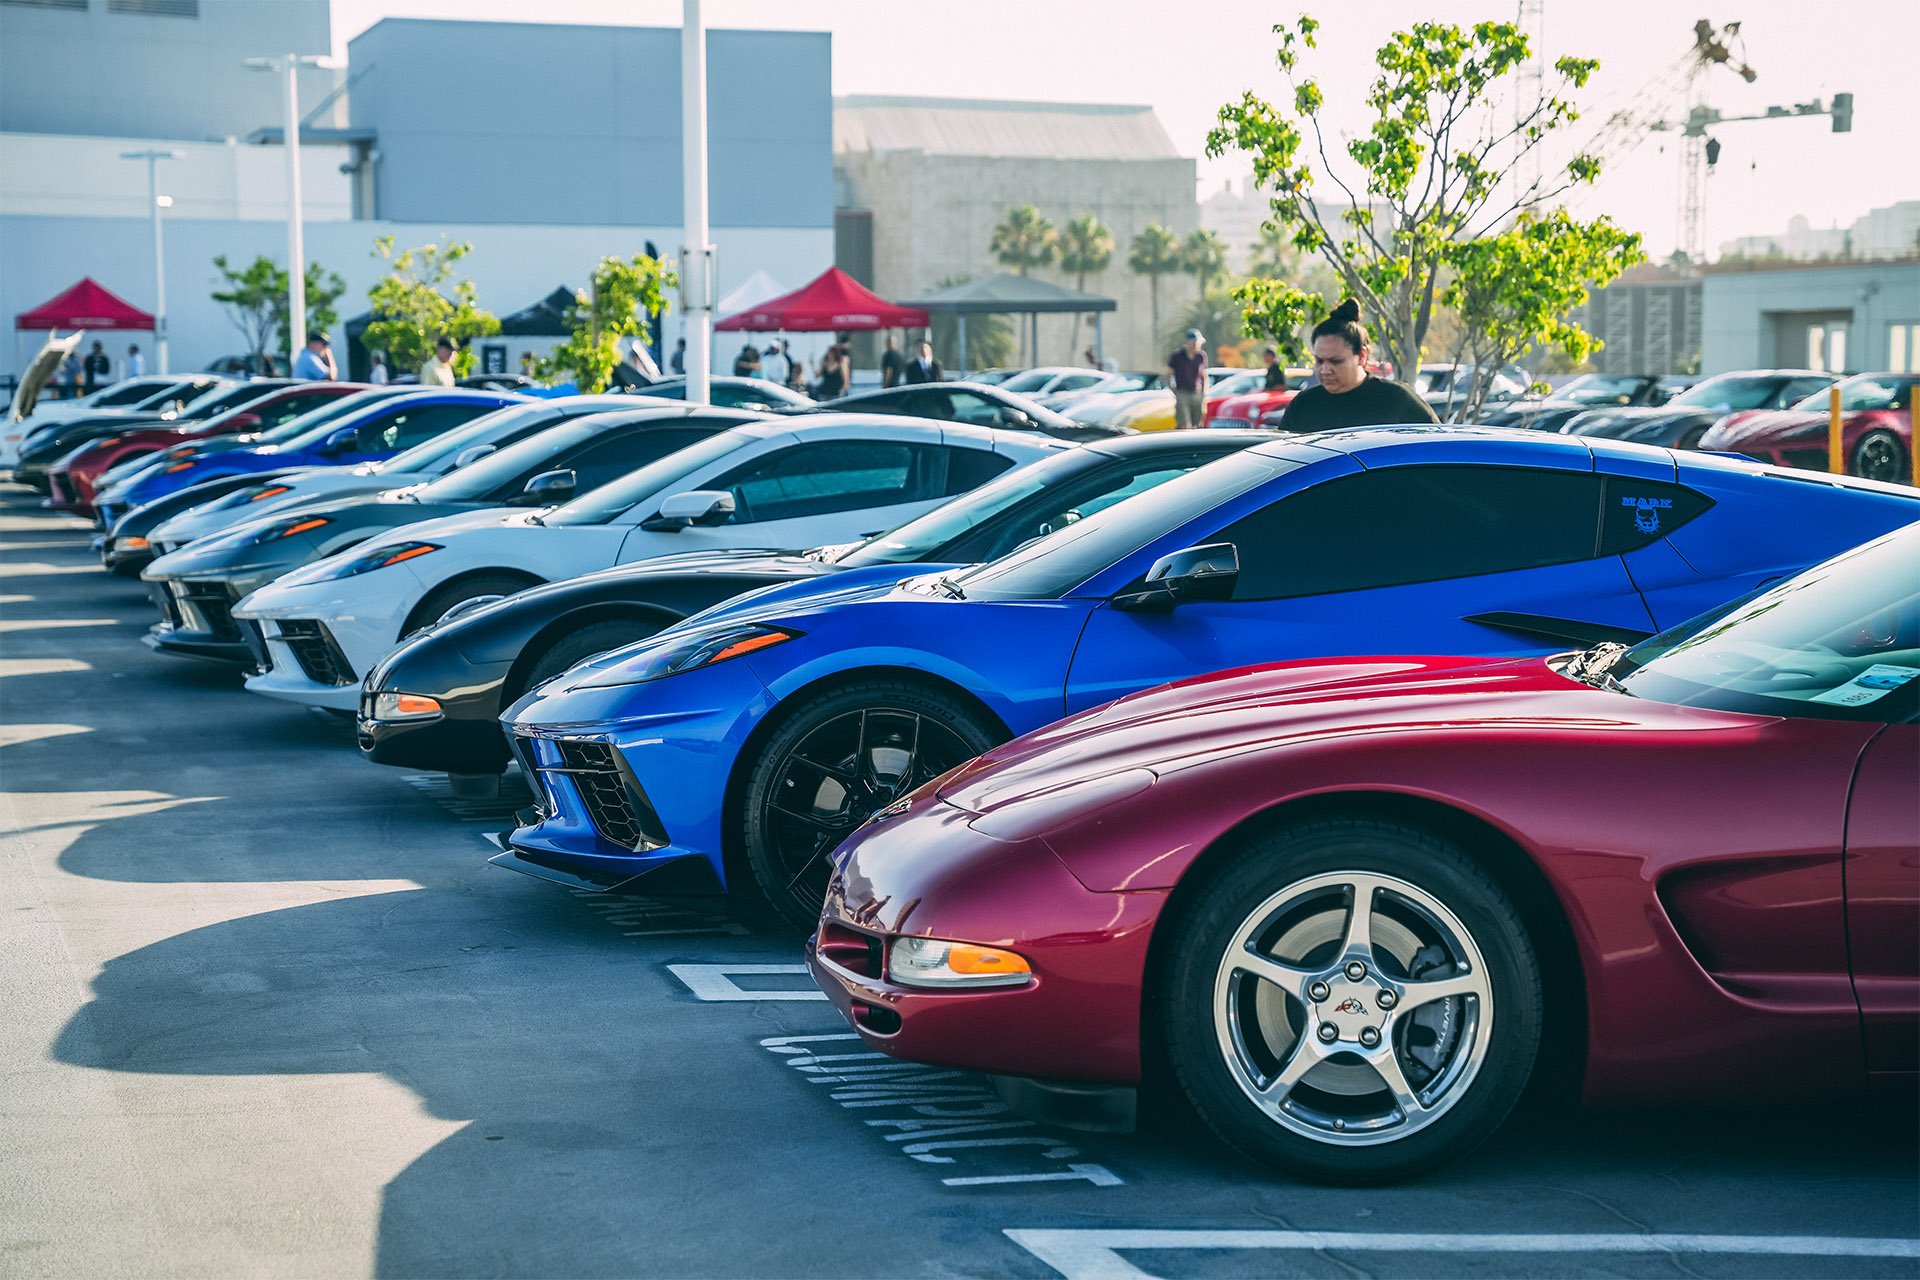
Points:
(696, 260)
(289, 64)
(154, 206)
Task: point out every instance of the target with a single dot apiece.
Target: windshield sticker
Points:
(1646, 512)
(1871, 685)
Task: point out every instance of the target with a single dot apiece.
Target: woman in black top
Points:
(1347, 396)
(833, 372)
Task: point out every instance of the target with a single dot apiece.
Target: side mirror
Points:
(340, 441)
(1017, 419)
(467, 457)
(696, 506)
(1192, 574)
(549, 488)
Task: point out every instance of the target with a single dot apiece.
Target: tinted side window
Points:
(290, 408)
(837, 475)
(970, 468)
(1635, 513)
(968, 407)
(1799, 389)
(599, 461)
(405, 429)
(1400, 525)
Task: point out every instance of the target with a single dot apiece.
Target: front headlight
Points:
(702, 648)
(345, 566)
(931, 962)
(405, 706)
(285, 529)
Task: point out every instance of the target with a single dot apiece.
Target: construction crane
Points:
(1687, 80)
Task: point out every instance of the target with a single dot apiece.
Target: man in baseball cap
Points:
(1187, 375)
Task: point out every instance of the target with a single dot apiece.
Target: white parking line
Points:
(1095, 1255)
(715, 982)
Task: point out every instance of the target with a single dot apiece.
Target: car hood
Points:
(1769, 426)
(319, 486)
(1178, 726)
(233, 547)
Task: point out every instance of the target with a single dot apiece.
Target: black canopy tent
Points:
(1008, 294)
(546, 318)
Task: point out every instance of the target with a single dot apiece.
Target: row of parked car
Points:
(1051, 737)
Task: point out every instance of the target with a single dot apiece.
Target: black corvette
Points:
(1681, 421)
(435, 702)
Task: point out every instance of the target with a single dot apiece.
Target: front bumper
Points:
(465, 738)
(196, 621)
(297, 660)
(665, 751)
(929, 874)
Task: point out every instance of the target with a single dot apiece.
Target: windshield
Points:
(918, 539)
(1840, 641)
(1600, 388)
(1055, 565)
(1857, 395)
(504, 466)
(437, 455)
(610, 500)
(1729, 393)
(184, 391)
(1031, 380)
(1237, 383)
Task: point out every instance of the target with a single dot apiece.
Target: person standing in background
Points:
(136, 364)
(747, 363)
(774, 366)
(314, 363)
(438, 370)
(1187, 375)
(835, 372)
(1276, 376)
(526, 364)
(97, 368)
(1347, 395)
(378, 374)
(69, 376)
(892, 365)
(678, 360)
(924, 368)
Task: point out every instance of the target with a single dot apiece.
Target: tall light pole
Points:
(289, 64)
(696, 258)
(153, 159)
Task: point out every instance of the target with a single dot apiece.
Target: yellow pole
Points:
(1836, 456)
(1913, 433)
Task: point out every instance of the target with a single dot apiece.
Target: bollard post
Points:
(1836, 456)
(1913, 433)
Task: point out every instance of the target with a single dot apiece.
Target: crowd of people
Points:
(80, 375)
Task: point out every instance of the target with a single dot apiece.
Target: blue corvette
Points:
(385, 426)
(741, 746)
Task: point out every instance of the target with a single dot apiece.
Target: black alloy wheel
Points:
(1879, 456)
(834, 763)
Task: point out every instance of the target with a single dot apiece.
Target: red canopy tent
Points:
(833, 302)
(85, 306)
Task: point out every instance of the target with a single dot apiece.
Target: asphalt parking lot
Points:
(267, 1010)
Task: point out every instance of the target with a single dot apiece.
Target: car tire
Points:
(1690, 438)
(576, 646)
(1252, 1054)
(856, 749)
(459, 591)
(1879, 455)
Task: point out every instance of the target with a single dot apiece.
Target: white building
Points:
(1892, 231)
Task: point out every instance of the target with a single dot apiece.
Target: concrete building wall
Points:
(84, 177)
(1761, 318)
(511, 266)
(524, 122)
(96, 71)
(933, 219)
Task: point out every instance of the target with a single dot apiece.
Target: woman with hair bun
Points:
(1346, 395)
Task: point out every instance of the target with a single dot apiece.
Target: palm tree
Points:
(1205, 254)
(1274, 257)
(1025, 240)
(1086, 249)
(1155, 252)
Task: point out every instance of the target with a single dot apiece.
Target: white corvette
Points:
(784, 483)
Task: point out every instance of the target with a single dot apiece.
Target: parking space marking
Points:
(938, 1111)
(1095, 1254)
(715, 982)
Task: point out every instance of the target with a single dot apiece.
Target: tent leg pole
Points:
(962, 359)
(1099, 342)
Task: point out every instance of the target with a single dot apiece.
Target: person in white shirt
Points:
(774, 366)
(136, 364)
(378, 375)
(438, 370)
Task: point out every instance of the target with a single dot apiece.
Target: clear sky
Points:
(1187, 58)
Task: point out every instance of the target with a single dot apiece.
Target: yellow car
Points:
(1153, 410)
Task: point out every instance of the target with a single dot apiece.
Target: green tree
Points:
(1205, 255)
(1217, 314)
(255, 300)
(1025, 240)
(1086, 249)
(1419, 182)
(624, 292)
(411, 309)
(1153, 253)
(1515, 289)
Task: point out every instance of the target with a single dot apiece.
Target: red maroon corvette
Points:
(1353, 904)
(1876, 429)
(73, 479)
(1251, 408)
